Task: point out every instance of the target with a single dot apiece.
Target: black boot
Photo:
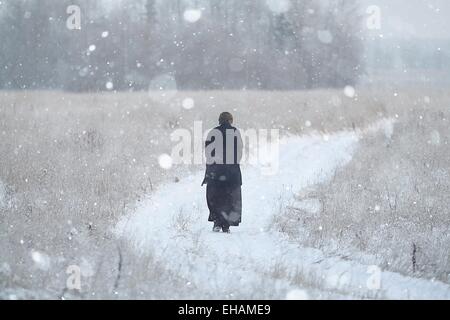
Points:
(216, 227)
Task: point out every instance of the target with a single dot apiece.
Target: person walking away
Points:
(223, 148)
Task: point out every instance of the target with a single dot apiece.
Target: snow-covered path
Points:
(254, 261)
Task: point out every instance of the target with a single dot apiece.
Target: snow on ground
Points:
(172, 225)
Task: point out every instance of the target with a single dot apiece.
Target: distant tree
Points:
(14, 44)
(235, 44)
(345, 63)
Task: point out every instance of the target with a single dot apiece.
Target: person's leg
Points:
(211, 199)
(221, 205)
(217, 227)
(225, 226)
(214, 197)
(226, 208)
(236, 212)
(233, 208)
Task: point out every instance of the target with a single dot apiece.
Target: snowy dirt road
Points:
(256, 261)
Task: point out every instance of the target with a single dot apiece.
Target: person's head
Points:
(225, 118)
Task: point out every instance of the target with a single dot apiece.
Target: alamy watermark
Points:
(73, 22)
(373, 21)
(73, 281)
(374, 280)
(257, 147)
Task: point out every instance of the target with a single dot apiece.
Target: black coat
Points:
(223, 176)
(220, 170)
(225, 205)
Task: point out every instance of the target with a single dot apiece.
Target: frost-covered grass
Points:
(391, 201)
(72, 165)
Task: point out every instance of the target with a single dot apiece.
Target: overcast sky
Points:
(417, 18)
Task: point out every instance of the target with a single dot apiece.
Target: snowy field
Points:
(358, 210)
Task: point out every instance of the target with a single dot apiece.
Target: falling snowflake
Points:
(192, 15)
(165, 161)
(41, 260)
(109, 85)
(188, 103)
(349, 91)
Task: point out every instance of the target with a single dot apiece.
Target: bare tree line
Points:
(235, 44)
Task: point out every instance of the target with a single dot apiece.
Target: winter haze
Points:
(344, 106)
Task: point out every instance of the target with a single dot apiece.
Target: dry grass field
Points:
(72, 164)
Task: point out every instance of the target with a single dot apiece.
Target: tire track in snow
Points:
(255, 262)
